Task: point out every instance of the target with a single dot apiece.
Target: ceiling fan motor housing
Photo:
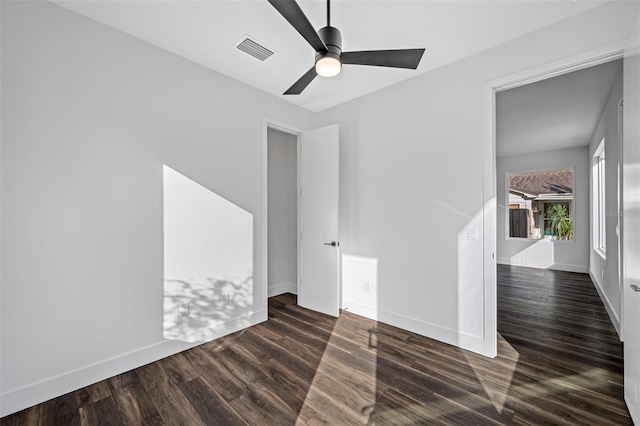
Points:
(327, 43)
(333, 40)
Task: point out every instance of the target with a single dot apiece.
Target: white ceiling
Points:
(205, 31)
(557, 113)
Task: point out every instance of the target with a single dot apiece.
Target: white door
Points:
(318, 193)
(631, 236)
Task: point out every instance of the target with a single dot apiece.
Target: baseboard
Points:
(432, 331)
(277, 289)
(36, 393)
(615, 320)
(567, 267)
(634, 410)
(361, 309)
(570, 268)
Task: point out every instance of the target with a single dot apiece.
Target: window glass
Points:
(599, 207)
(541, 204)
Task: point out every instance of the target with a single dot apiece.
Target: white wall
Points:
(90, 116)
(561, 255)
(409, 152)
(604, 272)
(283, 212)
(208, 259)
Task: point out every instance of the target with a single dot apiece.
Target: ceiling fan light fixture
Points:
(327, 43)
(328, 66)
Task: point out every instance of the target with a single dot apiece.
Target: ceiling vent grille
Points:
(249, 45)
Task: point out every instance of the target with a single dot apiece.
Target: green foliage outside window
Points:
(561, 223)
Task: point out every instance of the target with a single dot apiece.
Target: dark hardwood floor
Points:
(559, 362)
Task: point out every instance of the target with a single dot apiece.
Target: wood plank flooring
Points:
(560, 362)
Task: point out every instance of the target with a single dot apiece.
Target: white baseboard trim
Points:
(432, 331)
(634, 409)
(543, 265)
(277, 289)
(361, 309)
(27, 396)
(613, 316)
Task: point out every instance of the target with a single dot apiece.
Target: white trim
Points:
(615, 320)
(598, 192)
(567, 65)
(299, 229)
(447, 335)
(620, 206)
(567, 267)
(563, 66)
(361, 309)
(36, 393)
(489, 227)
(282, 288)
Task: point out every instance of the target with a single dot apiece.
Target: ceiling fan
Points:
(327, 42)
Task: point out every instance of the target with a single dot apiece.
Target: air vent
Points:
(254, 48)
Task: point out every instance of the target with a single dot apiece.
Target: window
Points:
(540, 204)
(599, 207)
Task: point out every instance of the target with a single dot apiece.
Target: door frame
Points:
(542, 72)
(272, 123)
(620, 224)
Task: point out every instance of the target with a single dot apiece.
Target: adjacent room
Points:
(345, 212)
(552, 286)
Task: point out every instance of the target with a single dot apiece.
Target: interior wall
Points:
(90, 116)
(282, 212)
(604, 272)
(411, 167)
(547, 254)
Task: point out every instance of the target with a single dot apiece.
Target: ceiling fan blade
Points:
(290, 10)
(302, 82)
(400, 58)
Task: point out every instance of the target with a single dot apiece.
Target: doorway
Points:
(492, 198)
(544, 130)
(313, 220)
(282, 212)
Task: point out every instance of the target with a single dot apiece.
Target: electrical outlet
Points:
(472, 233)
(367, 286)
(224, 299)
(185, 309)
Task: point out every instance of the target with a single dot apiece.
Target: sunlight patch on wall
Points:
(538, 255)
(208, 259)
(360, 285)
(470, 306)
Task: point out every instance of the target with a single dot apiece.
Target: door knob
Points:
(332, 244)
(635, 287)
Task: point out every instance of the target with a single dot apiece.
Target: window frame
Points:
(598, 189)
(572, 203)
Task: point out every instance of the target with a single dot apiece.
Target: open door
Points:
(318, 194)
(631, 235)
